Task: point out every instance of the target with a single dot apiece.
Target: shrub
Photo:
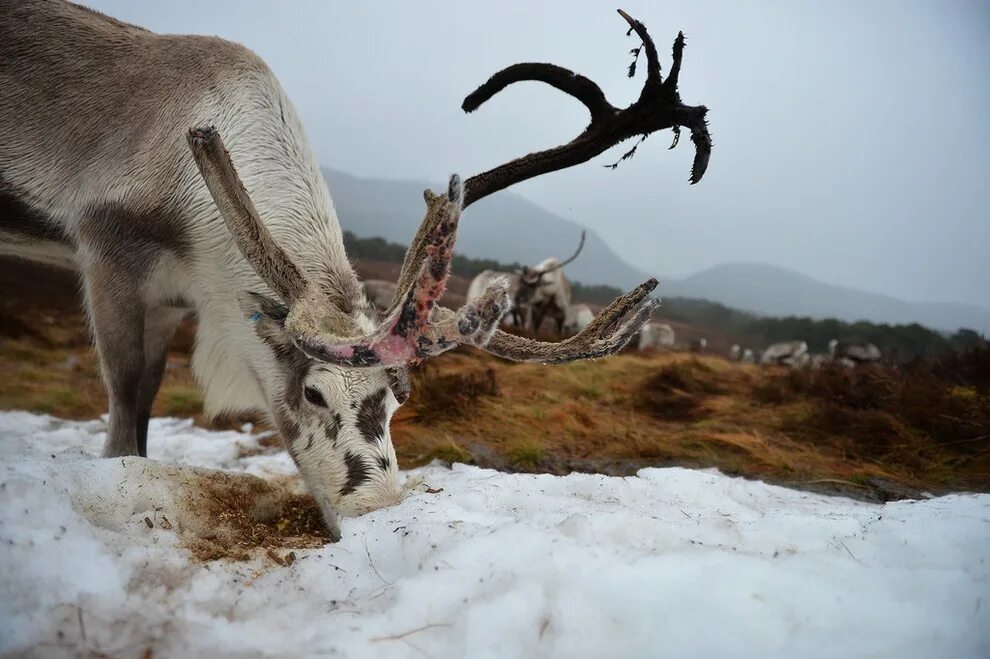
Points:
(946, 398)
(438, 396)
(674, 393)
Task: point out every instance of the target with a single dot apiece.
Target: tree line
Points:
(899, 342)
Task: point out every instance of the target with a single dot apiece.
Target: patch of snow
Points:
(673, 562)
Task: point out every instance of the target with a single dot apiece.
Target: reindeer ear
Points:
(268, 318)
(399, 383)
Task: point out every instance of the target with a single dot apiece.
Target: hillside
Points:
(509, 228)
(772, 291)
(504, 226)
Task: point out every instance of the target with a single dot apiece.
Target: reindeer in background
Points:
(95, 170)
(578, 317)
(544, 292)
(536, 292)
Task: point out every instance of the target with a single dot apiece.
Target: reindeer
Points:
(853, 353)
(95, 168)
(656, 336)
(790, 353)
(739, 354)
(577, 317)
(544, 292)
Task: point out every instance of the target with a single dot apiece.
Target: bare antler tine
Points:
(581, 88)
(652, 59)
(659, 106)
(573, 256)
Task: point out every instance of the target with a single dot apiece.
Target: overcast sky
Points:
(852, 139)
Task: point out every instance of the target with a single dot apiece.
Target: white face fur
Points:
(335, 422)
(344, 440)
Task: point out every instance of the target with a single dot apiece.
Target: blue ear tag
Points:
(256, 316)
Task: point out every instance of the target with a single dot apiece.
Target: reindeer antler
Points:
(260, 250)
(573, 256)
(658, 107)
(410, 330)
(407, 334)
(414, 327)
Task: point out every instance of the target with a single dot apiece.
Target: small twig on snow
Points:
(399, 637)
(372, 562)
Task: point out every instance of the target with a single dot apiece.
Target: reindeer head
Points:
(342, 367)
(532, 278)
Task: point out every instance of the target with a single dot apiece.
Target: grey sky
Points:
(852, 139)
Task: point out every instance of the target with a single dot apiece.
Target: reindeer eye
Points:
(314, 396)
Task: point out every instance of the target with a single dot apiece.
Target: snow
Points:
(673, 562)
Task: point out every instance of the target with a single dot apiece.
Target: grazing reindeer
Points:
(656, 336)
(544, 292)
(95, 168)
(853, 353)
(789, 353)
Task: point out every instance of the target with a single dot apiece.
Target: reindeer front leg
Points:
(116, 311)
(160, 324)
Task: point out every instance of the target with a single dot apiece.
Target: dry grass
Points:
(181, 400)
(445, 395)
(875, 431)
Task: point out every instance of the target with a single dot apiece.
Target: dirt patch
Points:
(230, 515)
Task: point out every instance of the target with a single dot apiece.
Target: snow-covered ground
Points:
(670, 563)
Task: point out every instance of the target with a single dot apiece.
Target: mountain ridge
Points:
(509, 228)
(772, 290)
(504, 226)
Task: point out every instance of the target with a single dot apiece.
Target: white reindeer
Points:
(544, 292)
(96, 171)
(577, 317)
(789, 353)
(656, 336)
(853, 353)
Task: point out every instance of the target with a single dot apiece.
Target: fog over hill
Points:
(509, 228)
(504, 226)
(774, 291)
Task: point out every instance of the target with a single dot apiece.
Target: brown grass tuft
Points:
(676, 392)
(437, 396)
